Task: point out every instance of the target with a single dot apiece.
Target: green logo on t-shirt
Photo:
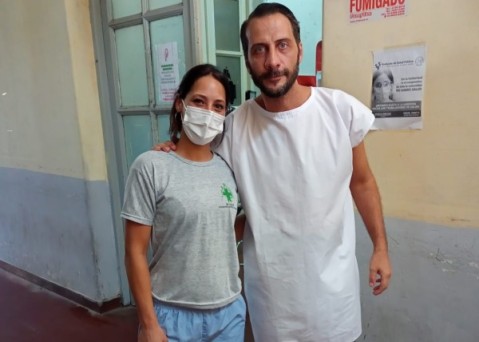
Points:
(225, 191)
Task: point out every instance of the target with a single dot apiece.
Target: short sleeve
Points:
(139, 204)
(223, 144)
(357, 117)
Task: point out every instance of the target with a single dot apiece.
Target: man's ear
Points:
(300, 52)
(248, 66)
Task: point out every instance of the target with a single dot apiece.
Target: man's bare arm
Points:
(367, 199)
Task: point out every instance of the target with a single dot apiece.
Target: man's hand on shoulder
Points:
(165, 146)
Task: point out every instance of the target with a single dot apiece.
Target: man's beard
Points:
(275, 93)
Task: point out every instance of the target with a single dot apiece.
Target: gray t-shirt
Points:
(191, 207)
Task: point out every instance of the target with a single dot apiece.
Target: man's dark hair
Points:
(264, 9)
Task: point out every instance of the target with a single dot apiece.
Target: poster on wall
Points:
(167, 71)
(397, 87)
(368, 10)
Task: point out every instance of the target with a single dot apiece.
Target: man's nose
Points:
(272, 59)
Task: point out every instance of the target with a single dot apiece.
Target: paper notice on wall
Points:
(397, 87)
(366, 10)
(168, 77)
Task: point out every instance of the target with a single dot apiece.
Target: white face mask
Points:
(201, 125)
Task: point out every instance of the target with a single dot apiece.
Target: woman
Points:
(383, 86)
(186, 201)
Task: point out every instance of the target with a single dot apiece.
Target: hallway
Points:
(29, 313)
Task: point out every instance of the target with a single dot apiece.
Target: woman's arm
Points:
(137, 238)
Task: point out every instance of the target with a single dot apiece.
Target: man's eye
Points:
(258, 49)
(283, 45)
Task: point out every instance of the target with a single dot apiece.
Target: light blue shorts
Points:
(183, 325)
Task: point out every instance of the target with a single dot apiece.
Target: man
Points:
(299, 161)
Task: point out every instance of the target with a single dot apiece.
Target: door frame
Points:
(108, 85)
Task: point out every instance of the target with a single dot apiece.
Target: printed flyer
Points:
(167, 74)
(397, 87)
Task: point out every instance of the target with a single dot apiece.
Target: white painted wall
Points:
(428, 175)
(38, 123)
(50, 116)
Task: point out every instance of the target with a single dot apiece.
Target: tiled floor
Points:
(29, 313)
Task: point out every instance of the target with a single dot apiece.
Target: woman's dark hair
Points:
(186, 84)
(264, 10)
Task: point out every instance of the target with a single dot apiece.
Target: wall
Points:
(429, 175)
(55, 212)
(428, 178)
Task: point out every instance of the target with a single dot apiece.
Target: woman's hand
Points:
(155, 334)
